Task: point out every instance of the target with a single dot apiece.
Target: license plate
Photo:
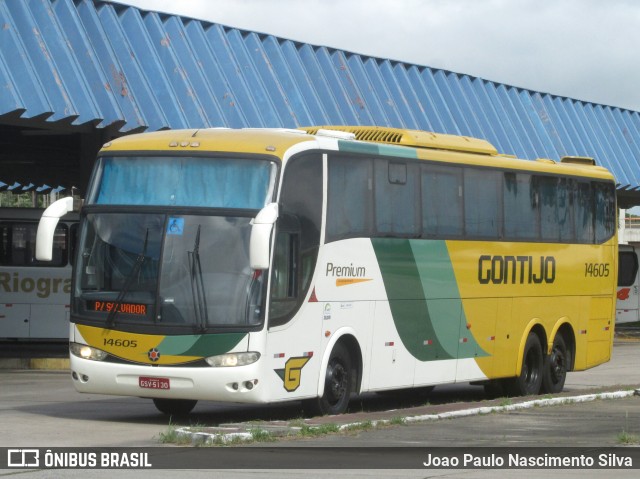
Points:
(154, 383)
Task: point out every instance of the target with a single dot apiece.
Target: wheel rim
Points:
(558, 366)
(337, 380)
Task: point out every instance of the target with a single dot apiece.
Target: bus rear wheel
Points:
(529, 381)
(556, 366)
(338, 384)
(175, 407)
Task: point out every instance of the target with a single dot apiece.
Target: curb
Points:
(52, 364)
(247, 432)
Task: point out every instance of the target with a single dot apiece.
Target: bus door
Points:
(628, 302)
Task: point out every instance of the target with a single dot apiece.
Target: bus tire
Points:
(556, 366)
(529, 381)
(175, 407)
(338, 383)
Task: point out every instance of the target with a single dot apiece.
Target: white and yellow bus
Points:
(266, 265)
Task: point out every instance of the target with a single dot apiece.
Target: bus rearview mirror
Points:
(260, 241)
(49, 222)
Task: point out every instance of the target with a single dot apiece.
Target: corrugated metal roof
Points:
(94, 62)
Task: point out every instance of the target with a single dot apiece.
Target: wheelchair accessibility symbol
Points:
(175, 226)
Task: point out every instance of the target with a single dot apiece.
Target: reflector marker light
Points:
(278, 355)
(389, 343)
(427, 342)
(313, 298)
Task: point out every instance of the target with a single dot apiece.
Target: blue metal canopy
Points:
(99, 64)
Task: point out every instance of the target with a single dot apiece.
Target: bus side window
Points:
(297, 236)
(284, 276)
(5, 244)
(18, 245)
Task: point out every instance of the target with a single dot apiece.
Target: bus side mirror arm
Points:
(48, 223)
(260, 241)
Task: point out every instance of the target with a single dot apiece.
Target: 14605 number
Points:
(596, 270)
(121, 343)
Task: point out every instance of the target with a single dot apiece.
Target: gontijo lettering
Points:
(516, 269)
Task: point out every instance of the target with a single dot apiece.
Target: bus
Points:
(268, 265)
(35, 296)
(628, 297)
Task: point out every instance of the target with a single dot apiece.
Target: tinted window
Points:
(583, 212)
(383, 197)
(18, 245)
(350, 199)
(627, 268)
(483, 203)
(442, 186)
(521, 215)
(396, 199)
(297, 237)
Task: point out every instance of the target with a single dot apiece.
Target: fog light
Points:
(248, 385)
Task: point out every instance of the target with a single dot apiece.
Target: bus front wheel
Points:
(175, 407)
(529, 381)
(338, 384)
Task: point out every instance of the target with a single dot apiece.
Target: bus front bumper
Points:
(232, 384)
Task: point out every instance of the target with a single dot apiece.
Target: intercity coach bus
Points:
(34, 295)
(266, 265)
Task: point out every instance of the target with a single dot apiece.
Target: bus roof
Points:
(355, 139)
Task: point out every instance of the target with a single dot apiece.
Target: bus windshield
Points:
(168, 270)
(184, 181)
(165, 242)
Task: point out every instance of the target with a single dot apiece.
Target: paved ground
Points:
(41, 408)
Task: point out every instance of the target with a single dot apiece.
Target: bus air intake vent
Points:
(412, 138)
(578, 160)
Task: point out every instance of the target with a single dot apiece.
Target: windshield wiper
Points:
(129, 280)
(197, 284)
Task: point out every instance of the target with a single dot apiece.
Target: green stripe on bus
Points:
(377, 149)
(424, 298)
(407, 301)
(201, 345)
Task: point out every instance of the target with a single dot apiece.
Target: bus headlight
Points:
(232, 359)
(87, 352)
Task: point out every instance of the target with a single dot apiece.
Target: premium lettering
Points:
(516, 269)
(350, 271)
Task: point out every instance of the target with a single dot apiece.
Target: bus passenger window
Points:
(18, 245)
(483, 203)
(583, 204)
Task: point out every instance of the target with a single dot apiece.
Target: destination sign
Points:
(124, 308)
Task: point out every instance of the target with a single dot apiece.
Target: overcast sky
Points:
(584, 49)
